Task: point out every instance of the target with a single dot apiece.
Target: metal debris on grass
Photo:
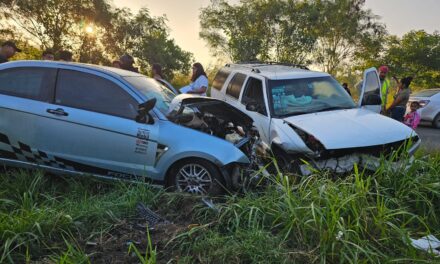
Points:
(151, 217)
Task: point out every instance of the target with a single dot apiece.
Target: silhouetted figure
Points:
(127, 62)
(345, 85)
(8, 50)
(48, 54)
(65, 55)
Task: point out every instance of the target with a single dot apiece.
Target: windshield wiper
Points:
(333, 108)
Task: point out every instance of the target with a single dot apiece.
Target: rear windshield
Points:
(426, 93)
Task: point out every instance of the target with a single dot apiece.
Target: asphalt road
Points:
(430, 137)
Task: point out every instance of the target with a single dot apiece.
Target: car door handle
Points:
(58, 111)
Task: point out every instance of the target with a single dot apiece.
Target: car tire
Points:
(196, 176)
(436, 121)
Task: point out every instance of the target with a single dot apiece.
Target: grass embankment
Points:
(362, 218)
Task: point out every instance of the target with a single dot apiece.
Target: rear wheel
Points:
(436, 121)
(196, 176)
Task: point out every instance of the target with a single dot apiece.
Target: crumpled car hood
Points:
(351, 128)
(213, 106)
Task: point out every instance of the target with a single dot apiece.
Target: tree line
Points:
(94, 30)
(336, 36)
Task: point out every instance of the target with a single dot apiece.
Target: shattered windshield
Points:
(152, 89)
(308, 95)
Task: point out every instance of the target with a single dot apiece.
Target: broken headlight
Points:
(311, 142)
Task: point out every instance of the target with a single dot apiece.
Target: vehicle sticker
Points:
(143, 133)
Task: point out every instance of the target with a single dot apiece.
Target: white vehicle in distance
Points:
(307, 115)
(429, 101)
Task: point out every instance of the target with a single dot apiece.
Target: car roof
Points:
(277, 72)
(56, 64)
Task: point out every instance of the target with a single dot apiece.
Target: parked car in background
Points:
(92, 120)
(307, 115)
(429, 101)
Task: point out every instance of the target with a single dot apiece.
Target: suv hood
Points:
(351, 128)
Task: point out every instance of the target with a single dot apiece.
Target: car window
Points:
(93, 93)
(220, 79)
(31, 83)
(254, 93)
(153, 89)
(426, 93)
(234, 87)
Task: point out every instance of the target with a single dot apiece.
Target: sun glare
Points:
(89, 29)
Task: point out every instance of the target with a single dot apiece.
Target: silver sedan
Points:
(429, 101)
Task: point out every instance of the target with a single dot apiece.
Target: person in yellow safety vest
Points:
(385, 87)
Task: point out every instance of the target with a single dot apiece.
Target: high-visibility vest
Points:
(385, 92)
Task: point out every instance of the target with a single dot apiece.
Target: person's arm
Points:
(200, 85)
(200, 90)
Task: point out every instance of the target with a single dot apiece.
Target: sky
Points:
(399, 16)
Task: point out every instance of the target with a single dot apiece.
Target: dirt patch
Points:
(113, 247)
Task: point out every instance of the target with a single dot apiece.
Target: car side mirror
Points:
(372, 99)
(143, 109)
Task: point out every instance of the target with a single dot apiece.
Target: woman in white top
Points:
(199, 81)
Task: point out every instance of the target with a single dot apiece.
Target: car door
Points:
(370, 95)
(90, 127)
(254, 93)
(25, 93)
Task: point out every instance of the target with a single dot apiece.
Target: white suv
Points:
(307, 115)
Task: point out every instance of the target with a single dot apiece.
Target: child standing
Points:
(412, 119)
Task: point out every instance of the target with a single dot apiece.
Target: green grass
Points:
(360, 218)
(38, 212)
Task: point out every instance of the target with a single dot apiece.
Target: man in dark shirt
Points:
(8, 50)
(127, 62)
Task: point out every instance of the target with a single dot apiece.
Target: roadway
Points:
(430, 137)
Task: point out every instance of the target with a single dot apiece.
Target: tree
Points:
(416, 54)
(343, 30)
(258, 30)
(52, 23)
(146, 38)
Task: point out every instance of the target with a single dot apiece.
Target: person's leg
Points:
(397, 113)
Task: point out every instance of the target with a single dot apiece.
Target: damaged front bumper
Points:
(346, 163)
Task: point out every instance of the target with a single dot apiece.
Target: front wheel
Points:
(196, 176)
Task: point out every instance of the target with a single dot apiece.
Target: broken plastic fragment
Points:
(210, 204)
(427, 243)
(151, 217)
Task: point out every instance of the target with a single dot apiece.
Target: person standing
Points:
(116, 64)
(199, 81)
(65, 55)
(345, 85)
(156, 73)
(127, 62)
(8, 50)
(412, 119)
(397, 108)
(48, 54)
(385, 86)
